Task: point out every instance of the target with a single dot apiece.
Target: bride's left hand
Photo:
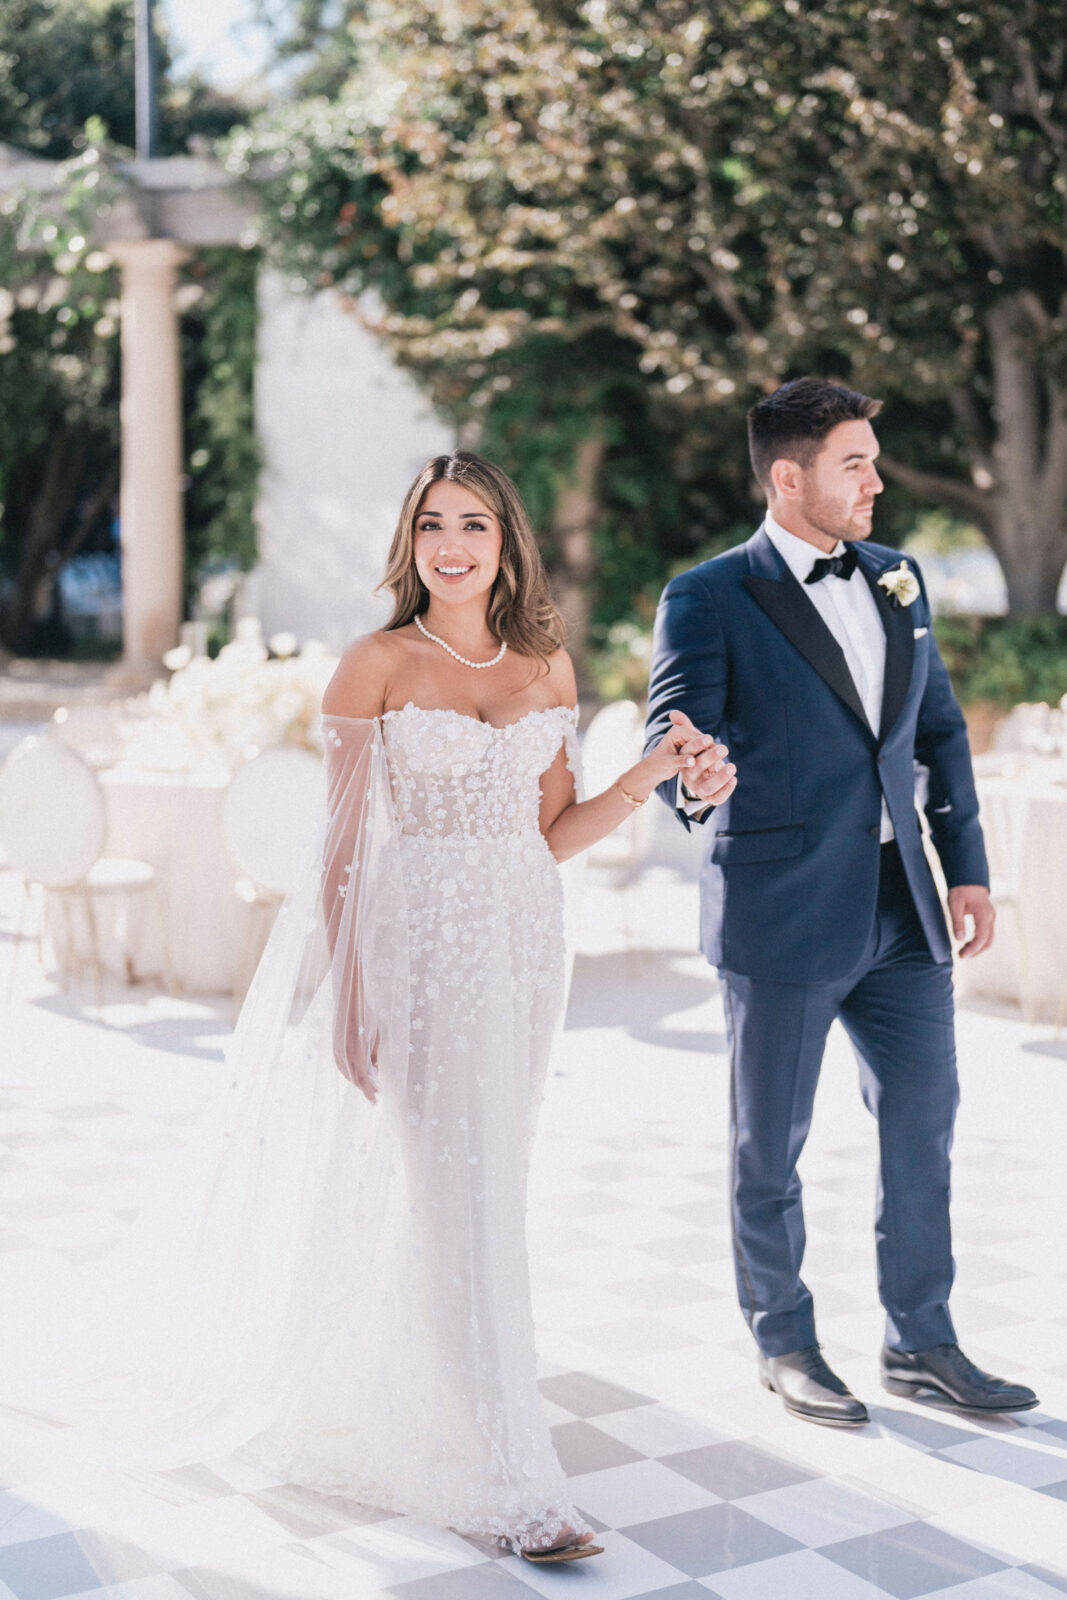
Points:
(699, 759)
(708, 775)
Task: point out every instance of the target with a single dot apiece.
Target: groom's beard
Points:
(835, 518)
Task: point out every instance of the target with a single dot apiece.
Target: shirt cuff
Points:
(691, 805)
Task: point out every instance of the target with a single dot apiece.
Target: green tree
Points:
(67, 65)
(64, 63)
(716, 198)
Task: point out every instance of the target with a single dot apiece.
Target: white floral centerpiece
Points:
(245, 700)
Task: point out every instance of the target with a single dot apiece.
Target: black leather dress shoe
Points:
(946, 1371)
(811, 1390)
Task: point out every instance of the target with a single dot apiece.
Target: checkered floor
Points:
(697, 1481)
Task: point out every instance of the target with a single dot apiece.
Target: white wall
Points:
(342, 433)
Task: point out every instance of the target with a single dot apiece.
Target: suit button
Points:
(875, 831)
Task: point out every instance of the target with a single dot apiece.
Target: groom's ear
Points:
(786, 478)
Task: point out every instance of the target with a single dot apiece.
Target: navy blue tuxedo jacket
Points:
(789, 878)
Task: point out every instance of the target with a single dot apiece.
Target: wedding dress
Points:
(334, 1290)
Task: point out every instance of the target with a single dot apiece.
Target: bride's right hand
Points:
(355, 1061)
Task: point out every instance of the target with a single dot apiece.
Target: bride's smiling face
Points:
(457, 543)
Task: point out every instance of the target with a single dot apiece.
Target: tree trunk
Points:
(1028, 525)
(1022, 506)
(1031, 557)
(572, 528)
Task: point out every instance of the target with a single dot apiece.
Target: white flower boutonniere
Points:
(901, 584)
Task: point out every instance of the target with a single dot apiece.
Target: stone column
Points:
(150, 501)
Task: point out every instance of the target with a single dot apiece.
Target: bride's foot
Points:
(570, 1546)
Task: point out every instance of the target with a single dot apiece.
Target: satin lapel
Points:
(899, 647)
(789, 608)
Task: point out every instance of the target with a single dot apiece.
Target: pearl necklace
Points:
(477, 665)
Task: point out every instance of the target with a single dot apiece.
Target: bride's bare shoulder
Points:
(561, 678)
(360, 685)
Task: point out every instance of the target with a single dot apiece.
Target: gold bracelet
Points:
(630, 799)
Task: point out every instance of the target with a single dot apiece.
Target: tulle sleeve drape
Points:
(364, 916)
(174, 1347)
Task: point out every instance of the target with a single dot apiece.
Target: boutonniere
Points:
(900, 584)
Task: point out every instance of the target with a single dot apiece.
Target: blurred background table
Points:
(1023, 801)
(172, 821)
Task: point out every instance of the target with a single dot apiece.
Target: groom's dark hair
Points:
(795, 420)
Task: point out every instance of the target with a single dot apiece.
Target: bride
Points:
(333, 1283)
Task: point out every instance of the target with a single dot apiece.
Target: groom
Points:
(809, 653)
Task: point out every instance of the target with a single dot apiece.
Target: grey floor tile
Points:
(680, 1591)
(687, 1249)
(702, 1543)
(1054, 1427)
(306, 1514)
(662, 1290)
(104, 1172)
(594, 1204)
(913, 1560)
(926, 1428)
(981, 1228)
(612, 1171)
(114, 1560)
(985, 1272)
(1003, 1458)
(828, 1256)
(38, 1136)
(93, 1109)
(189, 1485)
(1054, 1579)
(583, 1448)
(490, 1582)
(43, 1207)
(207, 1583)
(823, 1511)
(87, 1252)
(12, 1239)
(46, 1569)
(737, 1468)
(588, 1396)
(701, 1213)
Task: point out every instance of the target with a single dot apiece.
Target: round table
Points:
(172, 821)
(1024, 817)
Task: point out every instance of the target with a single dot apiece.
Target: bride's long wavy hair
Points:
(520, 604)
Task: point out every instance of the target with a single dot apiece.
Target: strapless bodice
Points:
(455, 777)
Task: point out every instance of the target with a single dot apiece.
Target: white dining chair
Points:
(53, 826)
(268, 814)
(614, 741)
(92, 730)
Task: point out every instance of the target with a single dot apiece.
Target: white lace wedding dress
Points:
(334, 1290)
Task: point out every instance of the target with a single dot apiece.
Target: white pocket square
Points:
(920, 631)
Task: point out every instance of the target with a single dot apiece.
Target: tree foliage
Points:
(710, 199)
(67, 85)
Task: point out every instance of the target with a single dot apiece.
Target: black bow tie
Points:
(842, 566)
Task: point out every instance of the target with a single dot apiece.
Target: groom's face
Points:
(837, 491)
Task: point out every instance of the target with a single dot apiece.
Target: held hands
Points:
(971, 900)
(696, 756)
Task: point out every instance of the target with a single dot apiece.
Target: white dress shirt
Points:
(848, 608)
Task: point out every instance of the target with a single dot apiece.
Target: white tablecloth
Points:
(1024, 816)
(172, 821)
